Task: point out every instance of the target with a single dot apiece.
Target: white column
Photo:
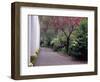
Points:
(34, 35)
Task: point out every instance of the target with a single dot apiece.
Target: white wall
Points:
(5, 42)
(33, 35)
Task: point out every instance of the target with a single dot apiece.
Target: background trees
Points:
(66, 34)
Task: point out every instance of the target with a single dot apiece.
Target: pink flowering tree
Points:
(67, 25)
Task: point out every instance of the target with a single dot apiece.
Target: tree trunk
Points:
(67, 45)
(68, 39)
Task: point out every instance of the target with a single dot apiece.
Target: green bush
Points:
(55, 44)
(78, 46)
(58, 43)
(34, 57)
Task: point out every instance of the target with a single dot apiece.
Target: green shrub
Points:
(34, 56)
(55, 44)
(78, 47)
(33, 59)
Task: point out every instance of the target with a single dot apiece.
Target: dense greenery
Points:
(78, 46)
(75, 45)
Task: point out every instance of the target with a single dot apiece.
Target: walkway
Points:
(48, 57)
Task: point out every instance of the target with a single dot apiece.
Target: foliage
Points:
(33, 59)
(34, 56)
(46, 37)
(78, 46)
(67, 25)
(58, 42)
(65, 34)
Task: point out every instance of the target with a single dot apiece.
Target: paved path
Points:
(48, 57)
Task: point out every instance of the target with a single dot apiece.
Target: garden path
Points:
(48, 57)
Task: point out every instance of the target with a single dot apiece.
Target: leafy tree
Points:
(67, 25)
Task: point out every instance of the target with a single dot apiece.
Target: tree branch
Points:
(64, 32)
(71, 31)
